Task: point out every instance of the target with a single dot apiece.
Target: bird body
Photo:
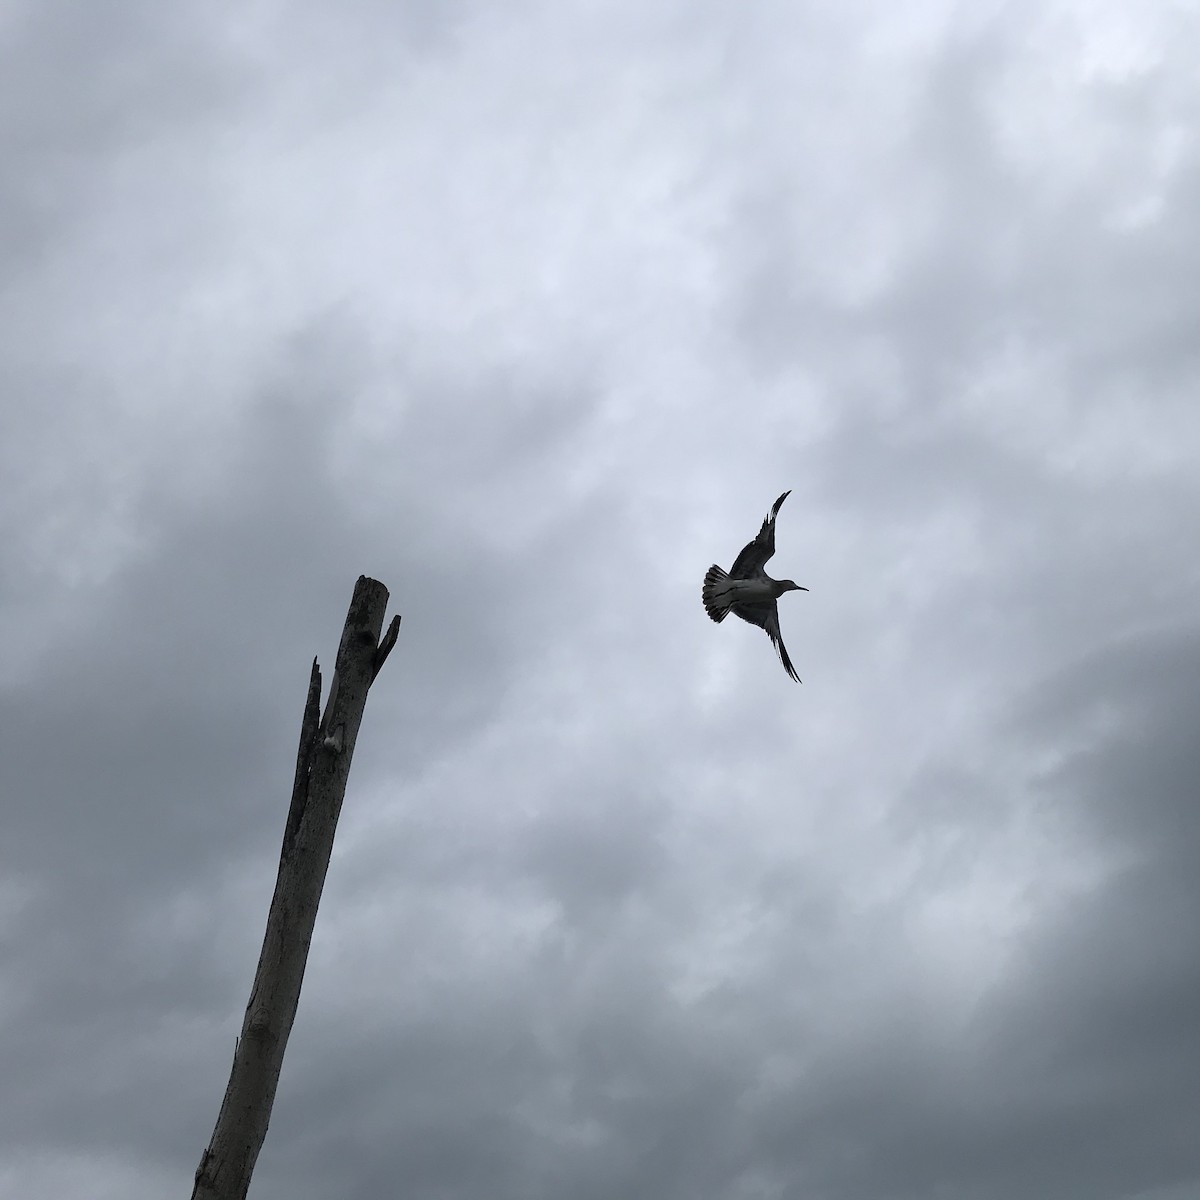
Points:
(747, 591)
(723, 591)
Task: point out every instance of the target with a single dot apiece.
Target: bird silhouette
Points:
(747, 591)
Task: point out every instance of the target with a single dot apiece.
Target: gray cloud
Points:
(531, 315)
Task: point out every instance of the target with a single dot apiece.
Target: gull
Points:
(748, 591)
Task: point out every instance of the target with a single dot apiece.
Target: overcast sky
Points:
(530, 311)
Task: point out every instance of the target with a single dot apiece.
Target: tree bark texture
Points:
(322, 767)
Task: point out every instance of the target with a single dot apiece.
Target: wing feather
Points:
(765, 614)
(755, 555)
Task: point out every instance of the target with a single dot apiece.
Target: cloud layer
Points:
(530, 314)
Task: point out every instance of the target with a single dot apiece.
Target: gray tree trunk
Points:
(322, 767)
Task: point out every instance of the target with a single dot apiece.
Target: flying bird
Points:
(747, 591)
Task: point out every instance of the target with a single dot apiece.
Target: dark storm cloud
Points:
(149, 750)
(1071, 1077)
(1081, 1056)
(1129, 768)
(148, 745)
(1090, 1038)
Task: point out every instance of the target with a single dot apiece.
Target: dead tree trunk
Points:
(322, 766)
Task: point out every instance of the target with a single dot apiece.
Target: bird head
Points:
(790, 585)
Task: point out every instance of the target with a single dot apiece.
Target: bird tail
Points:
(717, 597)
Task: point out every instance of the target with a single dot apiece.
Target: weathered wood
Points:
(322, 768)
(386, 644)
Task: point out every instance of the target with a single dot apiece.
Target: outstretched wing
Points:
(765, 614)
(755, 554)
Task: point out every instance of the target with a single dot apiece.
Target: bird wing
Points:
(765, 614)
(755, 554)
